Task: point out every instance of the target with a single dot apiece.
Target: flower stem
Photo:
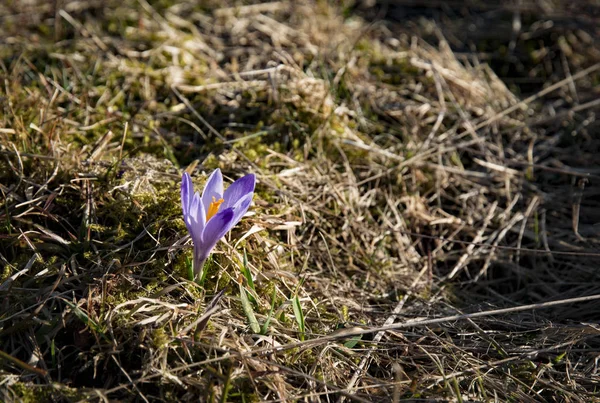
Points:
(198, 266)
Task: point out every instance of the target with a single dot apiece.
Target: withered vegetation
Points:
(413, 163)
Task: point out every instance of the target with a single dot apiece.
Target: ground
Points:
(428, 169)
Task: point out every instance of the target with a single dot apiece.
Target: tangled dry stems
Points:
(397, 181)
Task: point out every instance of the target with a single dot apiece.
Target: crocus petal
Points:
(187, 190)
(197, 218)
(239, 189)
(215, 229)
(240, 208)
(213, 188)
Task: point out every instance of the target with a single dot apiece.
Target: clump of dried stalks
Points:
(399, 181)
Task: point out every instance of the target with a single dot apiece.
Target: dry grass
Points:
(406, 172)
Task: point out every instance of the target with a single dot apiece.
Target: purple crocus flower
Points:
(210, 216)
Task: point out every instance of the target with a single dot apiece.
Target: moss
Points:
(6, 273)
(160, 339)
(30, 393)
(51, 261)
(345, 315)
(123, 292)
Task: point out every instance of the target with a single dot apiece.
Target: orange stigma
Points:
(213, 208)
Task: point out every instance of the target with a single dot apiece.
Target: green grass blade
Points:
(190, 268)
(84, 317)
(248, 275)
(299, 315)
(249, 310)
(353, 341)
(265, 326)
